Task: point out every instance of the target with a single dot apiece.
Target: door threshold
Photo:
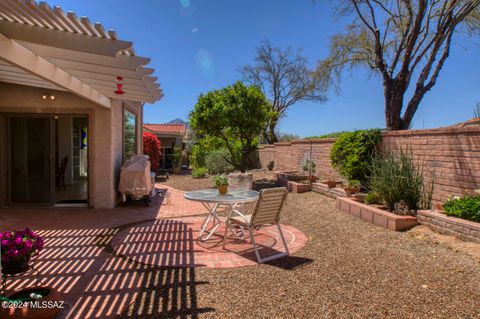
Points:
(82, 205)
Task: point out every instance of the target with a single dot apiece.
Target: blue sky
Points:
(198, 45)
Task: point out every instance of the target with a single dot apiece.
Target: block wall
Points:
(452, 154)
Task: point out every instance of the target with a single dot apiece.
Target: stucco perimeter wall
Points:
(453, 154)
(289, 156)
(105, 133)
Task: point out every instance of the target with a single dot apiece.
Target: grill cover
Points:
(135, 176)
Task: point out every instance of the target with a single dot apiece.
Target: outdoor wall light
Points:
(48, 97)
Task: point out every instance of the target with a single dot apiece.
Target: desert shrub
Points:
(201, 147)
(467, 207)
(270, 165)
(197, 157)
(309, 167)
(372, 198)
(353, 152)
(199, 172)
(216, 162)
(152, 147)
(398, 181)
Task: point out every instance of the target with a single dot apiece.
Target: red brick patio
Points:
(101, 273)
(174, 243)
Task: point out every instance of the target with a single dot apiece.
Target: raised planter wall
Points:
(452, 153)
(323, 189)
(376, 216)
(448, 225)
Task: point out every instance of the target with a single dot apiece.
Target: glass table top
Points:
(211, 195)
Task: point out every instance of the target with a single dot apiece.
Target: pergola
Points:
(45, 47)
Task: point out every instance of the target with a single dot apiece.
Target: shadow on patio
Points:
(94, 282)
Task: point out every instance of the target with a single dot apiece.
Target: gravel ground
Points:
(348, 269)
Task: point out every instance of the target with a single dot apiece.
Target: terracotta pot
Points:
(360, 197)
(312, 179)
(351, 190)
(15, 266)
(331, 183)
(51, 298)
(222, 189)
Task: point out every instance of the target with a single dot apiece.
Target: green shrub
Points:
(372, 198)
(353, 152)
(467, 208)
(398, 181)
(197, 158)
(216, 162)
(328, 135)
(199, 172)
(270, 165)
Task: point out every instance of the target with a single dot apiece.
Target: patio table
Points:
(211, 200)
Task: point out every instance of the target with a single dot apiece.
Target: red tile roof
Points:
(166, 128)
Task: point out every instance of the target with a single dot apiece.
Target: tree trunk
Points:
(394, 95)
(271, 134)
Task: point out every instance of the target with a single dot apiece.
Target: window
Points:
(129, 135)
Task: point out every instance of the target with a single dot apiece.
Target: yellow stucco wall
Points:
(105, 134)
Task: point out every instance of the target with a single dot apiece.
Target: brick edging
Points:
(461, 228)
(375, 215)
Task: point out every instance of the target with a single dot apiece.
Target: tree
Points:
(152, 147)
(284, 77)
(406, 42)
(236, 114)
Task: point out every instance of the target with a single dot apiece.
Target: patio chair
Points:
(266, 213)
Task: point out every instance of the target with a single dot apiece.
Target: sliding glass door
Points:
(31, 169)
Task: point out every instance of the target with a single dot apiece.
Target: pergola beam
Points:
(62, 39)
(17, 55)
(120, 62)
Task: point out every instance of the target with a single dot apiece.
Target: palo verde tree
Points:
(284, 77)
(406, 42)
(236, 114)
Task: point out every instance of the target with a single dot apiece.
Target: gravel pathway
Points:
(348, 269)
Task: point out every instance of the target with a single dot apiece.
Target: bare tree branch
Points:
(400, 39)
(283, 75)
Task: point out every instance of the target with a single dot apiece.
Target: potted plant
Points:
(221, 182)
(309, 167)
(17, 248)
(330, 181)
(270, 165)
(352, 187)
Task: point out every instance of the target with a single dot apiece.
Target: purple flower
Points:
(28, 243)
(20, 244)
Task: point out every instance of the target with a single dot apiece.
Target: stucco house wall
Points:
(105, 151)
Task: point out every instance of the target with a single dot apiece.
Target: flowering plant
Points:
(152, 147)
(18, 246)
